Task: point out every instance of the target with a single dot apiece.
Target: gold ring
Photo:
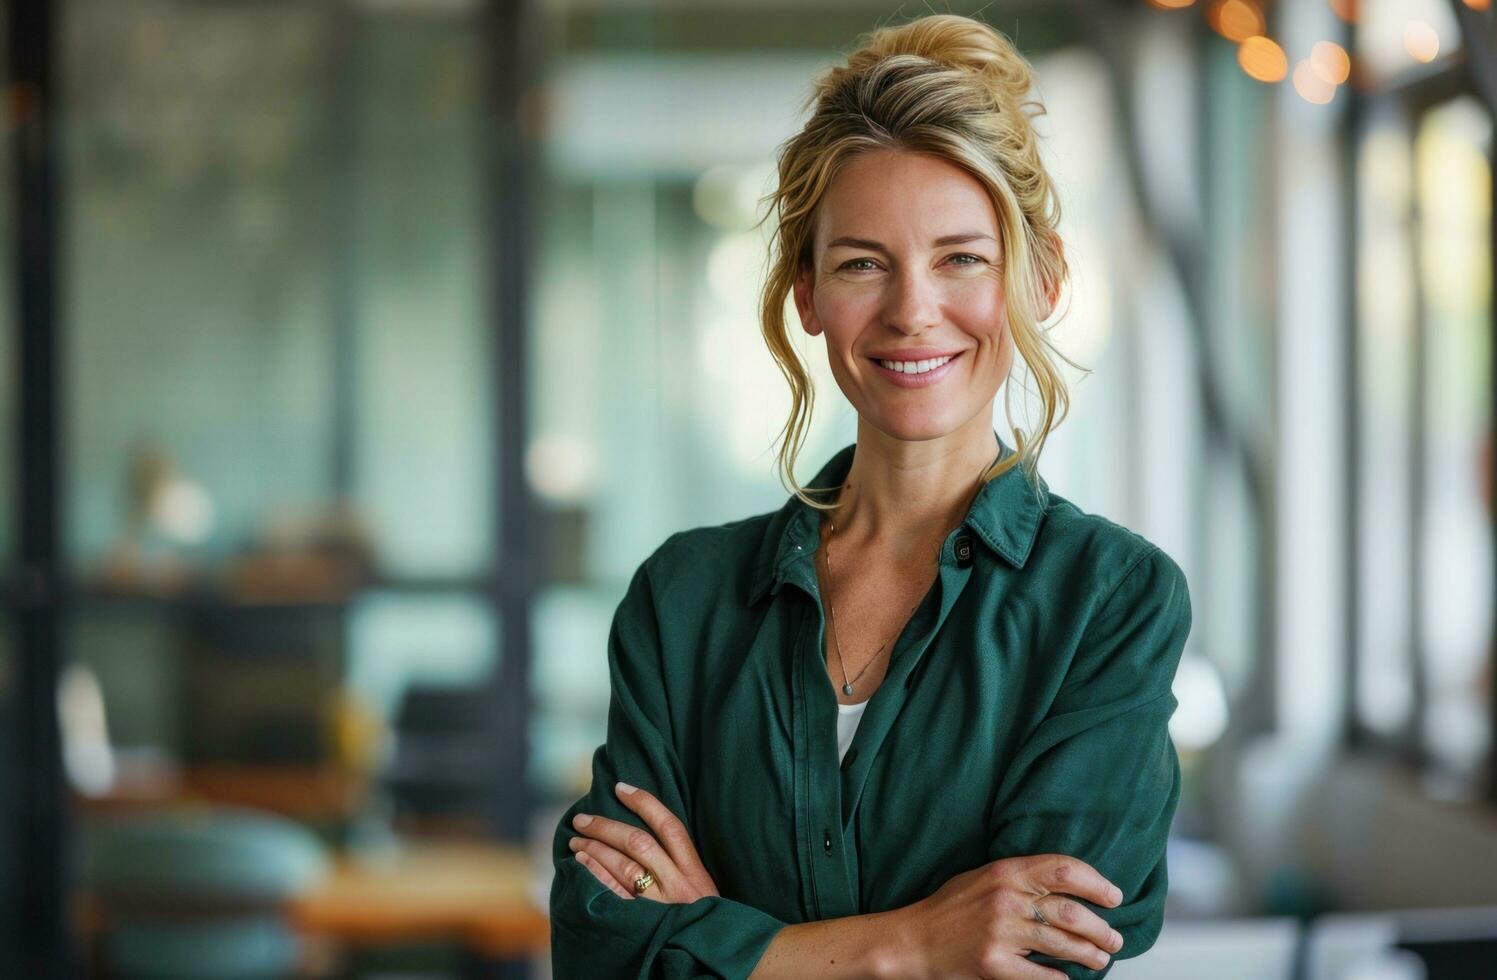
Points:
(642, 882)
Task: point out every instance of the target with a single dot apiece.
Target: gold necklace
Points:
(847, 683)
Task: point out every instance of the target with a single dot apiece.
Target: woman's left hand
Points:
(617, 853)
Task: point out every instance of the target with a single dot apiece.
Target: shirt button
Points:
(828, 840)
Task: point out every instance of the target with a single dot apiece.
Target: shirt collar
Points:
(1005, 515)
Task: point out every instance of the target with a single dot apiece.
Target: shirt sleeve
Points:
(595, 934)
(1099, 779)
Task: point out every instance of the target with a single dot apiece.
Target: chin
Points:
(916, 426)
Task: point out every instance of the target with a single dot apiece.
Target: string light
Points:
(1236, 20)
(1330, 61)
(1262, 59)
(1347, 10)
(1421, 41)
(1317, 77)
(1310, 85)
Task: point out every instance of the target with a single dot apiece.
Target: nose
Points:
(913, 304)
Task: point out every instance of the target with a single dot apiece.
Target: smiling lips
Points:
(916, 367)
(916, 374)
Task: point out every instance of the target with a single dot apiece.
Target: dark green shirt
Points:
(1025, 711)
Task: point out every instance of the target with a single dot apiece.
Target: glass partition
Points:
(281, 454)
(1453, 182)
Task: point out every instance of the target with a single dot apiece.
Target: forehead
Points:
(899, 193)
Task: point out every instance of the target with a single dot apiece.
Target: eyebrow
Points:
(960, 238)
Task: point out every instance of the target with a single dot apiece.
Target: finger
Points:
(609, 865)
(621, 867)
(1063, 873)
(1023, 969)
(602, 874)
(669, 830)
(1056, 942)
(1077, 918)
(639, 845)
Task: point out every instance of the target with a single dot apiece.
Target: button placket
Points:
(829, 874)
(951, 580)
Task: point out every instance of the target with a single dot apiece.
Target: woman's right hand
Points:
(981, 923)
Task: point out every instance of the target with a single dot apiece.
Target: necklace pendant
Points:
(846, 688)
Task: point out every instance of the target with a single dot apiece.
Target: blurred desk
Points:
(306, 794)
(310, 794)
(472, 894)
(467, 894)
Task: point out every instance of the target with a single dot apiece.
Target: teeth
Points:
(915, 367)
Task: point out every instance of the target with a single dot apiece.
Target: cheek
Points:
(835, 304)
(844, 314)
(981, 301)
(979, 310)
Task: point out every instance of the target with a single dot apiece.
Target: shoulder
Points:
(1131, 604)
(1114, 563)
(706, 558)
(676, 595)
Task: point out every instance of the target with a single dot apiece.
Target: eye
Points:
(976, 259)
(851, 262)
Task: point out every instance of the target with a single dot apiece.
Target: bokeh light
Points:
(1421, 41)
(1262, 59)
(1236, 20)
(1330, 61)
(1310, 85)
(1345, 9)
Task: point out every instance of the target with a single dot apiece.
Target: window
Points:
(1425, 587)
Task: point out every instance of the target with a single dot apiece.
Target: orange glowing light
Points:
(1309, 84)
(1236, 20)
(1330, 62)
(1345, 9)
(1421, 41)
(1171, 4)
(1263, 60)
(1479, 4)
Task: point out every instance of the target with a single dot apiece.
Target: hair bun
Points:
(959, 42)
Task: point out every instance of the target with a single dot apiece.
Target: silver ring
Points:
(1040, 916)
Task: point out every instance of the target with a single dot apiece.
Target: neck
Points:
(901, 495)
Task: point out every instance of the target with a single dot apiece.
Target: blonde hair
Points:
(952, 87)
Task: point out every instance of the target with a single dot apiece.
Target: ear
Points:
(804, 290)
(1051, 287)
(1052, 297)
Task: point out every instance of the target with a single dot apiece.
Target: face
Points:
(905, 274)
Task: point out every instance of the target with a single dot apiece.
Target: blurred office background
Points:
(355, 353)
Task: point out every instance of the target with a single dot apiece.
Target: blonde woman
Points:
(914, 723)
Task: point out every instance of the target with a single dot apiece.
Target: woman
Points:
(913, 723)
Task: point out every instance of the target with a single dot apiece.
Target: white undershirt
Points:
(848, 716)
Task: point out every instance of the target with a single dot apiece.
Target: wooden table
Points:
(306, 793)
(473, 894)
